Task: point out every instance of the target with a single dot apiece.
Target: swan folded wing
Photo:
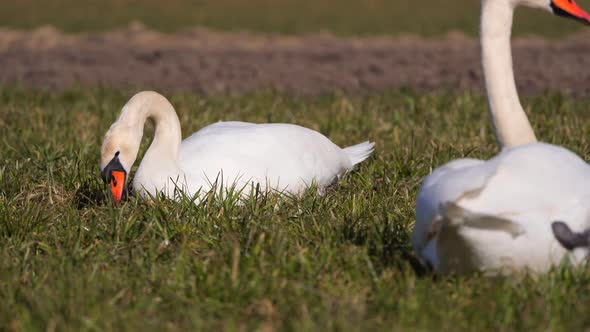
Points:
(281, 156)
(455, 216)
(446, 184)
(221, 127)
(536, 180)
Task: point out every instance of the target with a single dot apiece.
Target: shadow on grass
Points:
(92, 193)
(88, 195)
(386, 244)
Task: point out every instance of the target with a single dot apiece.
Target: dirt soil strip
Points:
(212, 62)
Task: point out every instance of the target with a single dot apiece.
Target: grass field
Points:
(69, 260)
(345, 17)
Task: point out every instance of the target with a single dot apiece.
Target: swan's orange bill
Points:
(117, 184)
(571, 9)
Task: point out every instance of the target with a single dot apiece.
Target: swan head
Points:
(117, 155)
(571, 240)
(565, 8)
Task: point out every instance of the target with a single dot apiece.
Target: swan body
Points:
(496, 216)
(282, 157)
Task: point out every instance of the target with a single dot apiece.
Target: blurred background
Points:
(342, 17)
(296, 46)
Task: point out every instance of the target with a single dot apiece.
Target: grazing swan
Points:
(496, 216)
(282, 157)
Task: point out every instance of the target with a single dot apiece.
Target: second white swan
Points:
(496, 216)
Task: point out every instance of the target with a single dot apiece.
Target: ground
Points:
(209, 62)
(71, 260)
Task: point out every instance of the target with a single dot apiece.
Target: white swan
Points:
(282, 157)
(496, 216)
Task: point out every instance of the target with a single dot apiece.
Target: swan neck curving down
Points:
(510, 122)
(167, 137)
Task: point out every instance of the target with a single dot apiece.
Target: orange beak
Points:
(568, 8)
(117, 184)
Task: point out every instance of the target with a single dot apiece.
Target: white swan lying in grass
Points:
(496, 216)
(282, 157)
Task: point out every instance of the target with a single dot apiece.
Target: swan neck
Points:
(167, 137)
(510, 123)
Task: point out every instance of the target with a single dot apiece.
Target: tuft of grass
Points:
(70, 260)
(343, 17)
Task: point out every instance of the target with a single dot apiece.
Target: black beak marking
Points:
(114, 165)
(560, 12)
(569, 239)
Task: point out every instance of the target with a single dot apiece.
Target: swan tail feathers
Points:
(358, 153)
(456, 217)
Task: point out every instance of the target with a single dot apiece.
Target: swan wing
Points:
(446, 184)
(221, 127)
(284, 156)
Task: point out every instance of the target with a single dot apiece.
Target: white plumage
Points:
(496, 216)
(283, 157)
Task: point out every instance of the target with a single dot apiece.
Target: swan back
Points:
(502, 209)
(281, 156)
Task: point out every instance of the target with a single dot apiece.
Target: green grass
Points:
(69, 260)
(344, 17)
